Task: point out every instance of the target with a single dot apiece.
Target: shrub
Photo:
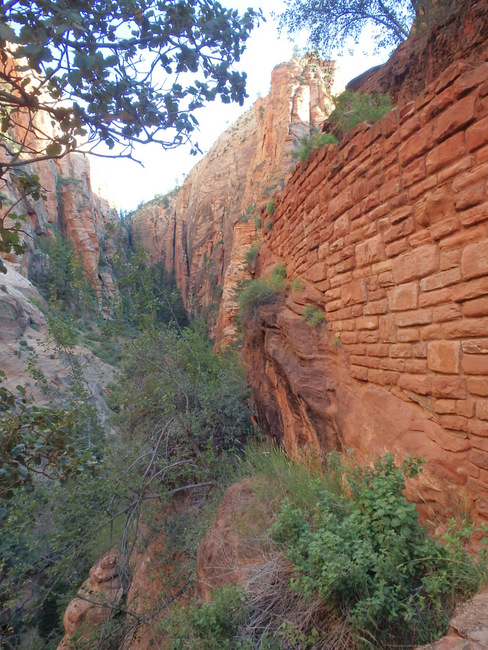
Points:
(251, 255)
(255, 294)
(352, 108)
(257, 221)
(364, 552)
(271, 207)
(268, 225)
(307, 143)
(297, 285)
(313, 316)
(277, 277)
(248, 213)
(211, 625)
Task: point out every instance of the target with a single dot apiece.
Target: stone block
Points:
(444, 356)
(446, 153)
(435, 206)
(475, 364)
(403, 297)
(474, 260)
(415, 264)
(477, 307)
(455, 118)
(417, 145)
(477, 134)
(370, 251)
(439, 280)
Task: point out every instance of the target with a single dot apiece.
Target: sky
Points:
(126, 184)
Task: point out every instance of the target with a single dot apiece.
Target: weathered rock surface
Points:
(24, 338)
(96, 600)
(229, 550)
(388, 233)
(193, 231)
(468, 627)
(418, 62)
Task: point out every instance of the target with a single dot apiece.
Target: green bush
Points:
(313, 316)
(251, 255)
(257, 221)
(267, 225)
(364, 552)
(254, 295)
(271, 207)
(352, 108)
(248, 213)
(277, 277)
(307, 143)
(297, 285)
(207, 626)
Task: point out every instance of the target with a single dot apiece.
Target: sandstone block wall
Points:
(391, 228)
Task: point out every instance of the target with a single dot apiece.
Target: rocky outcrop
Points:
(26, 349)
(468, 629)
(388, 233)
(418, 62)
(73, 208)
(229, 549)
(192, 232)
(95, 603)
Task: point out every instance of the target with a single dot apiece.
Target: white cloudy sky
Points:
(126, 183)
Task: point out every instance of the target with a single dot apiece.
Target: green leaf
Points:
(53, 149)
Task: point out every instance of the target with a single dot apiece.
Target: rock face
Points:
(73, 208)
(96, 600)
(468, 629)
(24, 337)
(193, 231)
(388, 233)
(461, 36)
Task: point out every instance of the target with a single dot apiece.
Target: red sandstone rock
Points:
(96, 599)
(229, 549)
(194, 235)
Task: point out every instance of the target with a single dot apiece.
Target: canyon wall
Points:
(192, 231)
(388, 233)
(73, 208)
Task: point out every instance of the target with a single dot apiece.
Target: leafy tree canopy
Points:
(112, 72)
(332, 22)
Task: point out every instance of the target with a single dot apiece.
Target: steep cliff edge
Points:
(193, 231)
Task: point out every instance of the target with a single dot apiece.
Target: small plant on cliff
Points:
(313, 316)
(254, 295)
(248, 213)
(267, 225)
(277, 277)
(271, 207)
(257, 221)
(297, 285)
(352, 108)
(209, 625)
(251, 255)
(307, 143)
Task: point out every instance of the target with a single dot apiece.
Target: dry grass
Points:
(276, 609)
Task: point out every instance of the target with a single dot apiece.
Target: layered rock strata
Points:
(192, 232)
(389, 235)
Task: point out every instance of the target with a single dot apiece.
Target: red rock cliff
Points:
(389, 234)
(193, 232)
